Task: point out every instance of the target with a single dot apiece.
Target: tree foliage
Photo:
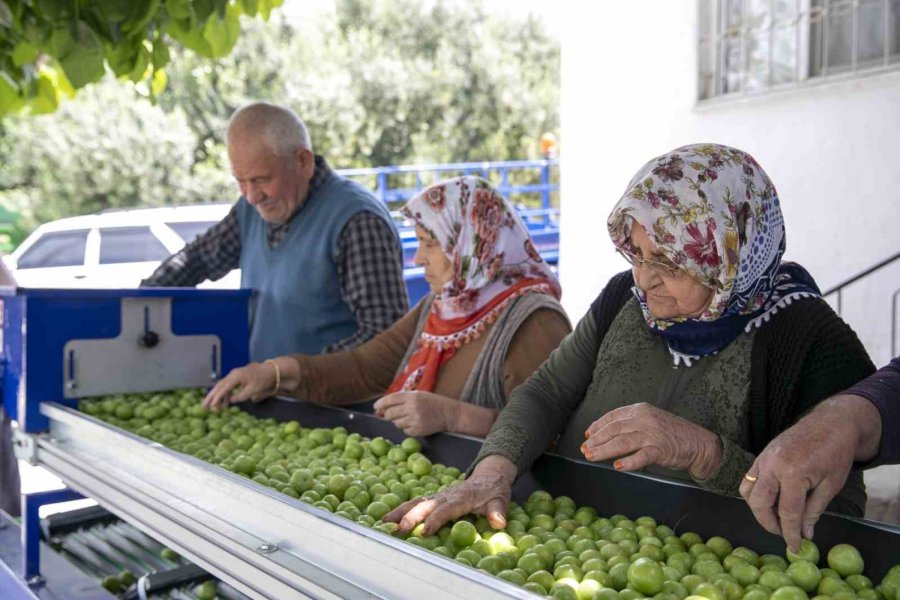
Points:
(50, 48)
(378, 82)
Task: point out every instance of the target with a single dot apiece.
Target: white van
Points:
(113, 249)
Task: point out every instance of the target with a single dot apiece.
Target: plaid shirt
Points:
(369, 265)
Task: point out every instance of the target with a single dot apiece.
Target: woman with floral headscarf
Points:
(689, 363)
(492, 317)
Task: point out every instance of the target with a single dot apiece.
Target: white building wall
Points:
(629, 94)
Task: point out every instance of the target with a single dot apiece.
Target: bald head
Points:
(278, 127)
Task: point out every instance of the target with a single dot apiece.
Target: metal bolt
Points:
(266, 548)
(213, 376)
(71, 385)
(35, 580)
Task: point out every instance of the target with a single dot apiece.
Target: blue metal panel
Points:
(38, 323)
(193, 315)
(31, 526)
(12, 312)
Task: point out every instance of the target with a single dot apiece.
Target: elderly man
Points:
(320, 250)
(799, 472)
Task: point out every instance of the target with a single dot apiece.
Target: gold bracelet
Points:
(277, 376)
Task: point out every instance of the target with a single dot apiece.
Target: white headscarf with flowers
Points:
(713, 211)
(487, 242)
(494, 263)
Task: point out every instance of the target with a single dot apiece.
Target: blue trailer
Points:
(532, 186)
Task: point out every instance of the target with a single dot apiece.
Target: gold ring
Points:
(750, 478)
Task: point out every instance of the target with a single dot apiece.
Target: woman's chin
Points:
(662, 310)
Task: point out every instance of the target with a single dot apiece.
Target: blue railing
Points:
(497, 173)
(532, 186)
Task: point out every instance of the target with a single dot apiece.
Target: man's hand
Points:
(802, 469)
(419, 413)
(485, 492)
(645, 435)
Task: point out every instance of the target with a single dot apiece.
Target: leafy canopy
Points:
(50, 48)
(378, 82)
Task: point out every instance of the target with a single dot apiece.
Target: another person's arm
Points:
(807, 465)
(370, 267)
(337, 379)
(210, 256)
(883, 390)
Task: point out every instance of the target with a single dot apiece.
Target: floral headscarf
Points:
(713, 211)
(494, 262)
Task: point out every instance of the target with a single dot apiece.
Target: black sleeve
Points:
(211, 256)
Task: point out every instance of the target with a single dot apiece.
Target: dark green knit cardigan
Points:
(804, 354)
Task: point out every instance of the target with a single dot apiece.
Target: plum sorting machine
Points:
(61, 345)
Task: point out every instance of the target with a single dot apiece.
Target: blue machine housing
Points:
(38, 323)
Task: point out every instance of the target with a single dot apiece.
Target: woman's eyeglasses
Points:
(668, 268)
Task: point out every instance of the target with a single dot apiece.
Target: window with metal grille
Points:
(748, 46)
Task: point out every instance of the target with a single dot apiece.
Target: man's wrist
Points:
(865, 419)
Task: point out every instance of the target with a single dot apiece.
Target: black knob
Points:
(149, 339)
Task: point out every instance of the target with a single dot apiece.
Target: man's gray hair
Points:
(280, 127)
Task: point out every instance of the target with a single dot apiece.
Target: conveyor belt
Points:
(203, 510)
(689, 507)
(104, 546)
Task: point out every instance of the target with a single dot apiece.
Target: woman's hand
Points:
(646, 435)
(485, 492)
(255, 382)
(419, 413)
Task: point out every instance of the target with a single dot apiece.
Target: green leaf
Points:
(160, 56)
(251, 7)
(10, 99)
(83, 64)
(222, 32)
(158, 82)
(142, 62)
(183, 31)
(145, 10)
(24, 53)
(46, 97)
(203, 9)
(118, 10)
(61, 42)
(36, 32)
(266, 7)
(56, 10)
(179, 9)
(122, 57)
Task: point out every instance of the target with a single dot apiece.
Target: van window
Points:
(130, 244)
(56, 249)
(189, 230)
